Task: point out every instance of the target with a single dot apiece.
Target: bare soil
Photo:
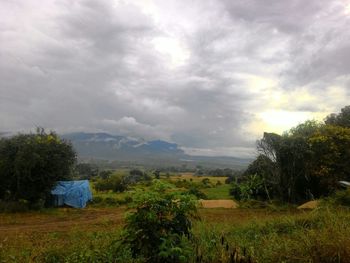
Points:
(309, 205)
(218, 204)
(62, 220)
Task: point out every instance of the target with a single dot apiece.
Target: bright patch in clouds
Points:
(347, 9)
(279, 121)
(172, 48)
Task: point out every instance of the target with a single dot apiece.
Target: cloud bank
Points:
(208, 75)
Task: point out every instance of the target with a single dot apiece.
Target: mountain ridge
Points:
(104, 146)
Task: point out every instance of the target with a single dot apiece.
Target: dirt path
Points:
(96, 219)
(61, 220)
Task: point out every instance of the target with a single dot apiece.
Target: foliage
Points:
(227, 172)
(105, 174)
(115, 183)
(341, 119)
(86, 171)
(156, 174)
(160, 225)
(30, 165)
(136, 176)
(206, 182)
(197, 193)
(253, 187)
(330, 147)
(341, 198)
(304, 163)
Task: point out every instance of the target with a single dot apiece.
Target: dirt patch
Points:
(187, 175)
(218, 204)
(65, 220)
(309, 205)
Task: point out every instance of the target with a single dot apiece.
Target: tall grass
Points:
(319, 236)
(247, 235)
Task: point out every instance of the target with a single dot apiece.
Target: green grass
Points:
(320, 236)
(259, 234)
(218, 192)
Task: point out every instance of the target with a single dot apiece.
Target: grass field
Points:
(195, 178)
(71, 235)
(272, 234)
(218, 192)
(34, 236)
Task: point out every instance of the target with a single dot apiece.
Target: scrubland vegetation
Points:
(142, 215)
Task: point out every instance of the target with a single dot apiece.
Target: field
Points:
(33, 236)
(89, 235)
(270, 234)
(194, 178)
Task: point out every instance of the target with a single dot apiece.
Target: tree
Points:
(115, 183)
(86, 170)
(156, 174)
(307, 161)
(31, 164)
(330, 158)
(253, 187)
(340, 119)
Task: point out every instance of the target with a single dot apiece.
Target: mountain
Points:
(127, 150)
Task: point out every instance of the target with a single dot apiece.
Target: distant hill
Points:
(104, 146)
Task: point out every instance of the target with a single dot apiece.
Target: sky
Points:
(209, 75)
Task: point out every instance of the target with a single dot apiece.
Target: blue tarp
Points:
(72, 193)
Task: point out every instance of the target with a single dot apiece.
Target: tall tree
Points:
(330, 162)
(339, 119)
(30, 165)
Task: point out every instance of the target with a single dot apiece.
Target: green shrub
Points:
(14, 206)
(342, 197)
(115, 183)
(253, 187)
(196, 192)
(159, 227)
(31, 164)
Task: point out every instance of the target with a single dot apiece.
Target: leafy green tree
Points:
(31, 164)
(253, 187)
(330, 158)
(340, 119)
(156, 230)
(156, 174)
(284, 162)
(105, 174)
(86, 170)
(116, 183)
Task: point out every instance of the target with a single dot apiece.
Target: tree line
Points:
(302, 164)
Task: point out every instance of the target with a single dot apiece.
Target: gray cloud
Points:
(197, 73)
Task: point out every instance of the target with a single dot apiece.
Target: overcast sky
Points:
(211, 76)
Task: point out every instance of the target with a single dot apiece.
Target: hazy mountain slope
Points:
(104, 146)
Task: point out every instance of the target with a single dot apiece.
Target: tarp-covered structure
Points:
(71, 193)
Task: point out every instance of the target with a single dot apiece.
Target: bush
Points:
(253, 187)
(115, 183)
(31, 164)
(340, 198)
(159, 228)
(14, 206)
(197, 193)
